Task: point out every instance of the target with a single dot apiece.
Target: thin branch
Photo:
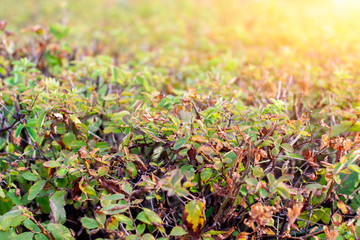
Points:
(43, 230)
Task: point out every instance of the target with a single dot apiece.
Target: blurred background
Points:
(314, 42)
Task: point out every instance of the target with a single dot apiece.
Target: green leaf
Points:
(60, 232)
(12, 218)
(152, 216)
(59, 30)
(283, 190)
(112, 223)
(14, 198)
(179, 143)
(89, 223)
(40, 121)
(2, 194)
(130, 167)
(177, 231)
(57, 203)
(119, 115)
(355, 168)
(29, 176)
(113, 197)
(114, 73)
(52, 164)
(103, 171)
(175, 120)
(35, 189)
(24, 236)
(142, 217)
(351, 182)
(29, 150)
(271, 178)
(345, 126)
(114, 209)
(287, 147)
(69, 139)
(89, 190)
(206, 174)
(40, 236)
(102, 145)
(18, 130)
(147, 236)
(2, 143)
(31, 122)
(127, 188)
(275, 151)
(140, 228)
(124, 219)
(131, 237)
(314, 186)
(29, 224)
(32, 133)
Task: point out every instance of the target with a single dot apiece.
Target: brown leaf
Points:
(227, 234)
(260, 214)
(83, 154)
(293, 213)
(111, 186)
(337, 219)
(206, 149)
(311, 159)
(76, 192)
(192, 153)
(325, 141)
(243, 236)
(17, 192)
(220, 191)
(14, 140)
(263, 153)
(218, 143)
(331, 234)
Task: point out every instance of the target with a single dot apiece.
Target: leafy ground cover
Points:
(219, 121)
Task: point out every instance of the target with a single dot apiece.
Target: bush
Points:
(91, 149)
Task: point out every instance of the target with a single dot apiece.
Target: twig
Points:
(351, 195)
(11, 126)
(43, 230)
(93, 134)
(267, 135)
(297, 137)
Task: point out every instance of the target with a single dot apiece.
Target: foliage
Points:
(94, 147)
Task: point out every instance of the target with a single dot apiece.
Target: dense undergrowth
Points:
(186, 142)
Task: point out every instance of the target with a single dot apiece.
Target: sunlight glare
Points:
(346, 3)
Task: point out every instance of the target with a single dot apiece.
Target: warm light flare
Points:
(347, 5)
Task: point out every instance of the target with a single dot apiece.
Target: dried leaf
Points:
(293, 213)
(110, 185)
(331, 234)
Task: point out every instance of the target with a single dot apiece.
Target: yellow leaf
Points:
(304, 133)
(198, 138)
(193, 218)
(343, 207)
